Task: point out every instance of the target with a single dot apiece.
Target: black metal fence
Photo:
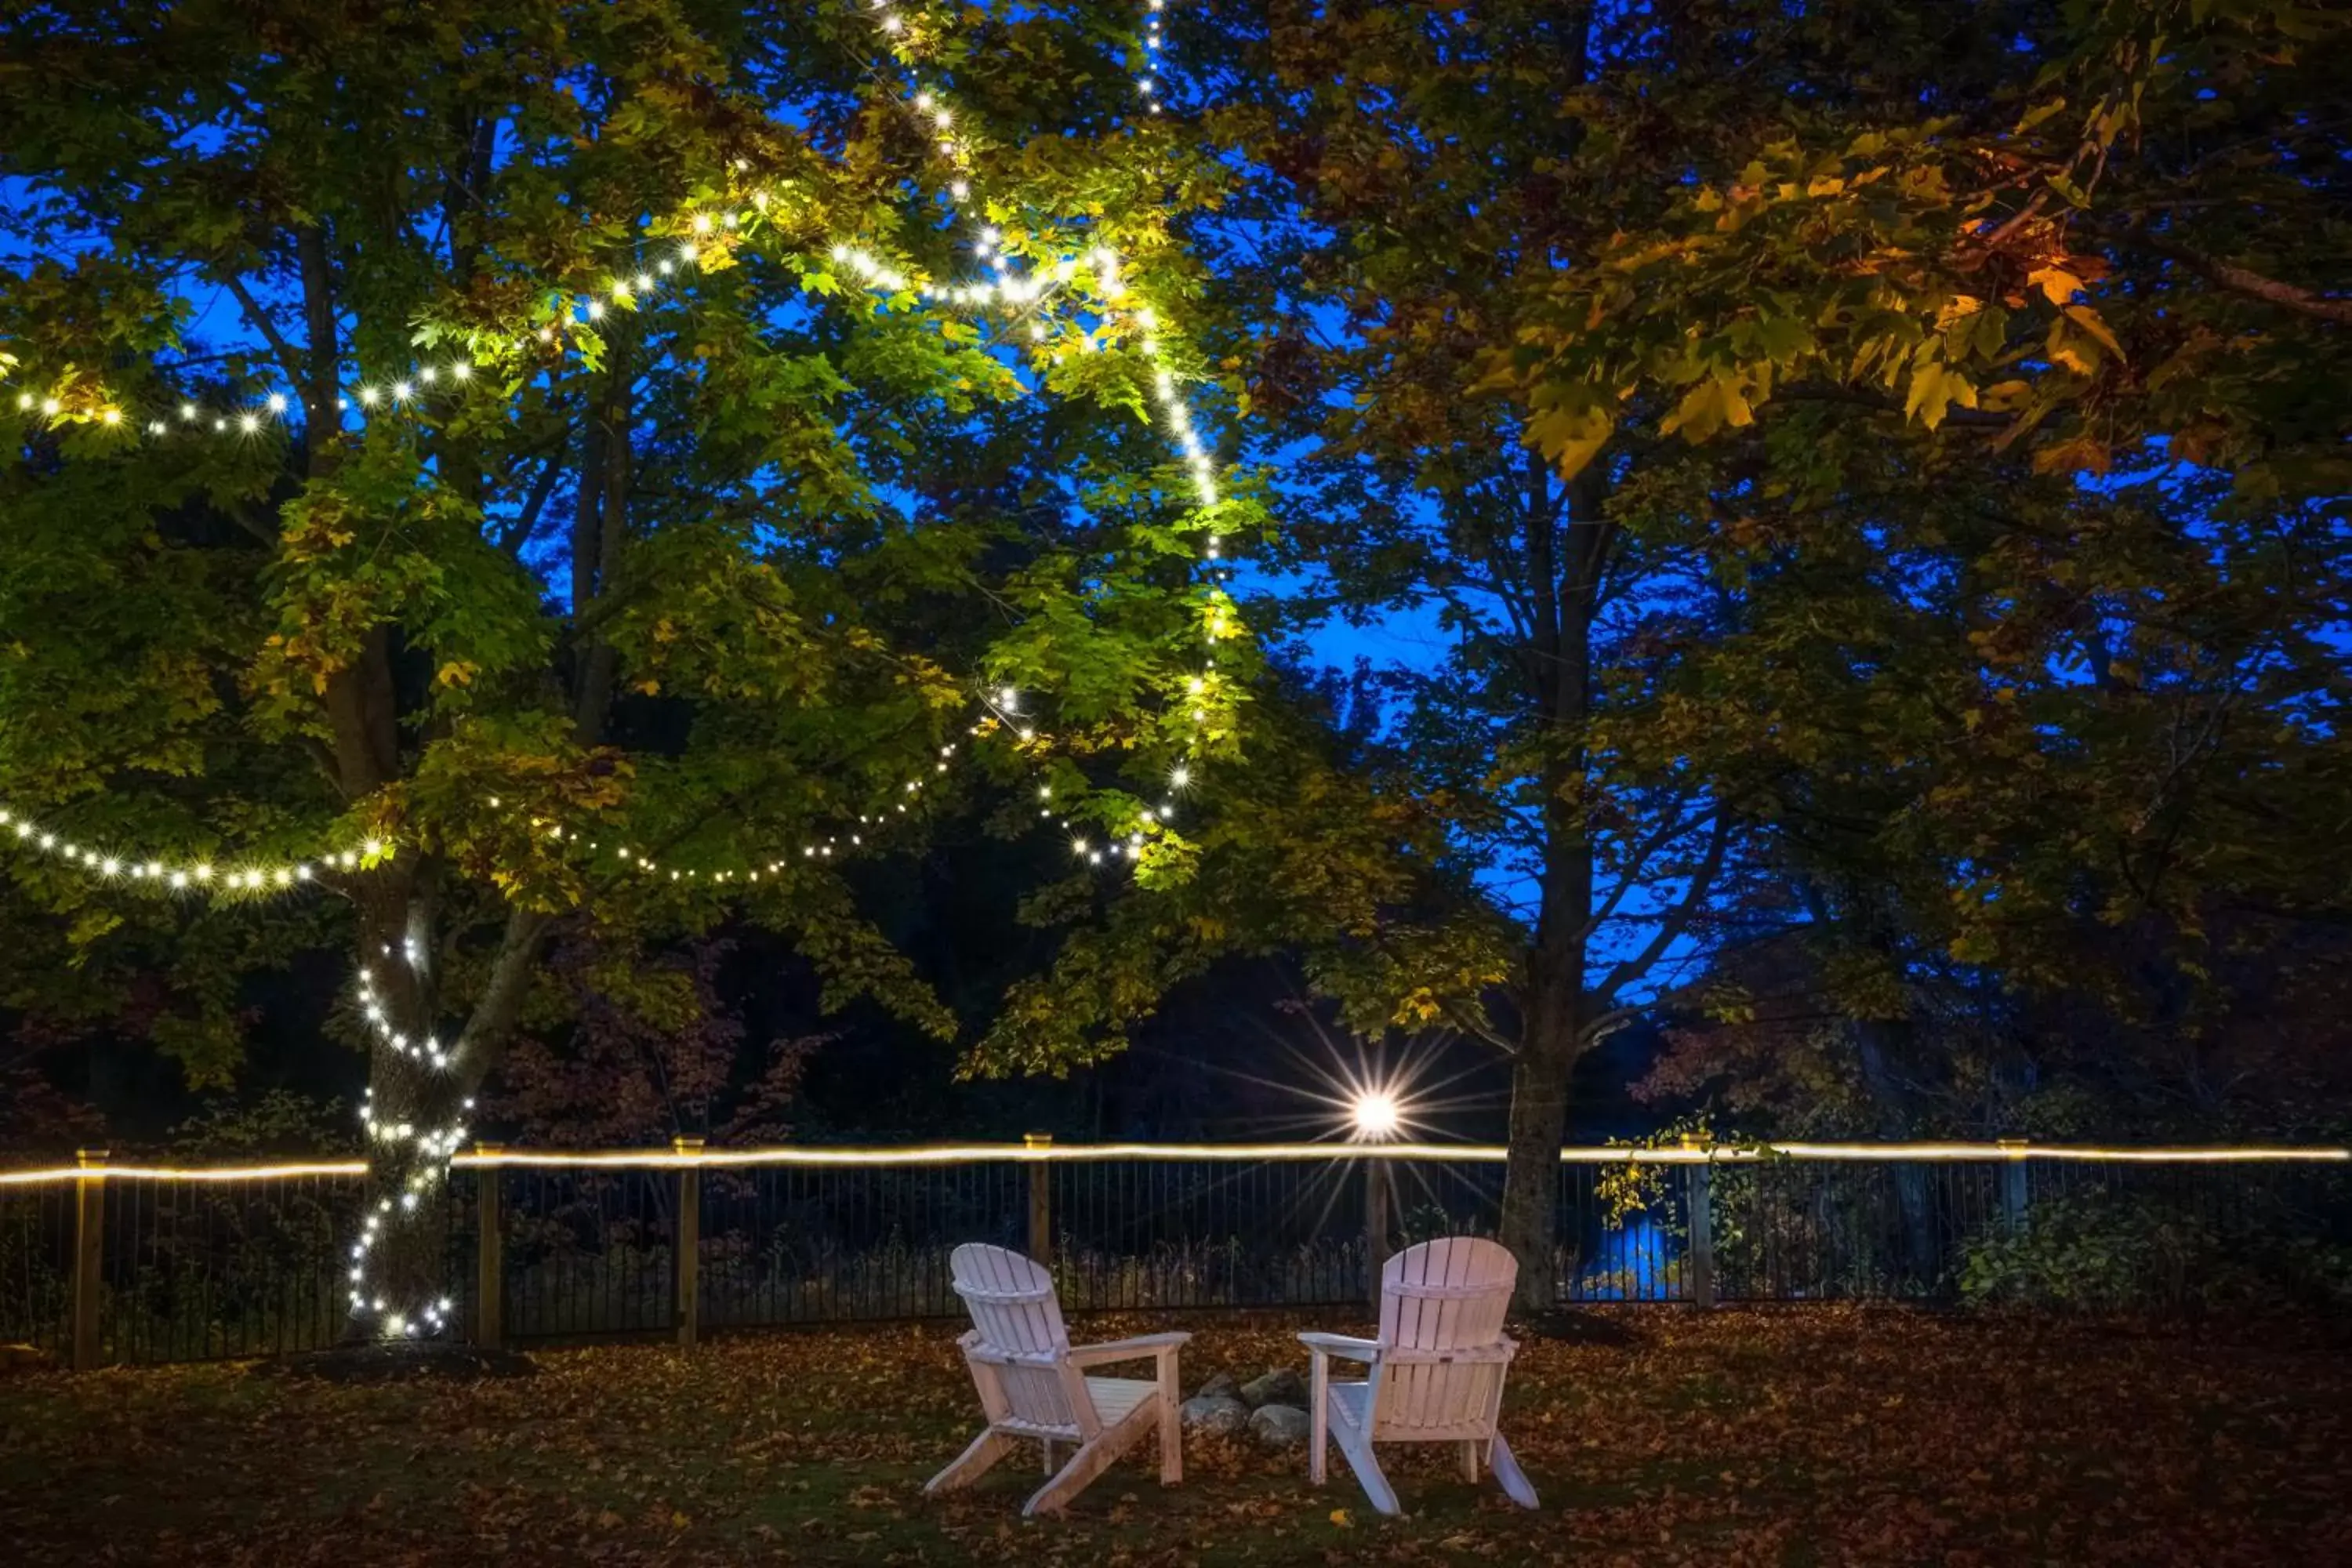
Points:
(165, 1267)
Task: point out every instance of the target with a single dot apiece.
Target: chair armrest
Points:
(1471, 1355)
(1136, 1349)
(1341, 1345)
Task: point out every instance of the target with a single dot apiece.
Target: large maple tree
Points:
(518, 468)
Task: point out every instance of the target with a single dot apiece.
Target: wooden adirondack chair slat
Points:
(1033, 1383)
(1434, 1375)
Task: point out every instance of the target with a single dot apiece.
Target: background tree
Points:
(1716, 424)
(2025, 428)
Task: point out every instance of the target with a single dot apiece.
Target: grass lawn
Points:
(1782, 1436)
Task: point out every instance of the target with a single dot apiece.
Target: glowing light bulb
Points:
(1375, 1114)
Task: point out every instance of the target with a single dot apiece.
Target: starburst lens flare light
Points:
(1374, 1115)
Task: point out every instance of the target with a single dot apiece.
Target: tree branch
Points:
(1971, 418)
(501, 1000)
(318, 312)
(518, 533)
(1640, 858)
(1702, 884)
(280, 347)
(2240, 280)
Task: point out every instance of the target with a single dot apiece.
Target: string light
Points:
(802, 1154)
(434, 1149)
(244, 877)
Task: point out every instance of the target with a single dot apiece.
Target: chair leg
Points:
(1319, 1420)
(1358, 1447)
(972, 1464)
(1470, 1462)
(1172, 1436)
(1048, 1445)
(1514, 1479)
(1092, 1460)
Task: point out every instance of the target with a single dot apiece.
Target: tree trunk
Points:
(1876, 1041)
(421, 1082)
(1563, 571)
(1530, 1225)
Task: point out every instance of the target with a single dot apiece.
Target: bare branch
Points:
(518, 533)
(1670, 928)
(1667, 830)
(2240, 280)
(280, 348)
(501, 1000)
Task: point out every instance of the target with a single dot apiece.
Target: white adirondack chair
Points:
(1033, 1381)
(1434, 1376)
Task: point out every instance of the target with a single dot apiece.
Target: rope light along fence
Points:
(150, 1263)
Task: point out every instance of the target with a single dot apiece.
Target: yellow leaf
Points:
(2088, 320)
(1340, 1517)
(2083, 453)
(2057, 284)
(1935, 387)
(2006, 395)
(1707, 407)
(1957, 305)
(2069, 350)
(1568, 437)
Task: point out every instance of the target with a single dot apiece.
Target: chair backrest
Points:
(1014, 1313)
(1438, 1298)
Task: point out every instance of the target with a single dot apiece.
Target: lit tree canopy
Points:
(517, 464)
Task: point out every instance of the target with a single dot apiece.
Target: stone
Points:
(1281, 1387)
(1218, 1414)
(1280, 1425)
(1221, 1387)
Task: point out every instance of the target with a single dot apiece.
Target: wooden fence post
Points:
(489, 1250)
(2014, 1196)
(687, 1258)
(1041, 1199)
(1376, 1224)
(89, 1255)
(1702, 1225)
